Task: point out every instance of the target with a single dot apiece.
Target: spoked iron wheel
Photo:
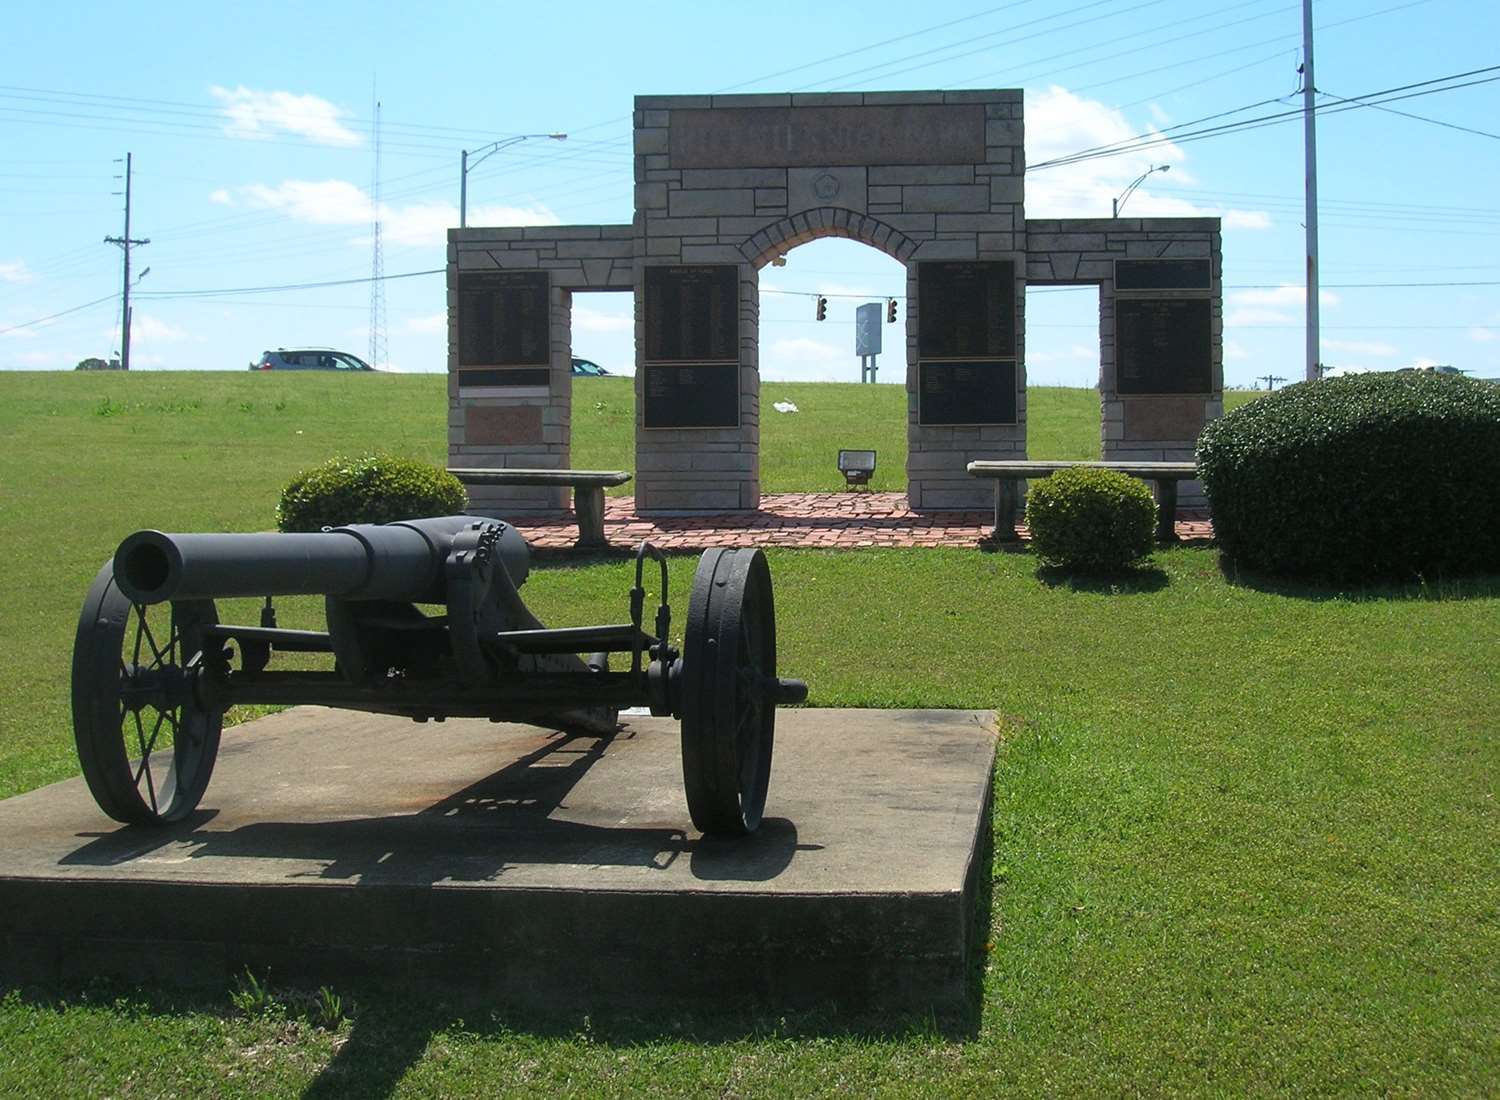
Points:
(146, 743)
(728, 691)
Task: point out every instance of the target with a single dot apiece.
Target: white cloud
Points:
(1362, 347)
(1253, 315)
(1284, 295)
(322, 202)
(433, 322)
(1059, 123)
(339, 202)
(257, 114)
(1074, 354)
(428, 223)
(1235, 350)
(1246, 219)
(221, 196)
(146, 329)
(594, 320)
(800, 359)
(802, 348)
(14, 271)
(30, 332)
(1484, 335)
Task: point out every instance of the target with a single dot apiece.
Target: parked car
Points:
(588, 368)
(309, 359)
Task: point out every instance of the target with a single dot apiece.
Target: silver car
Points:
(309, 359)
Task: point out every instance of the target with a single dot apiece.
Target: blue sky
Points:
(251, 129)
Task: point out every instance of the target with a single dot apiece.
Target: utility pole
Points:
(379, 351)
(1310, 143)
(126, 243)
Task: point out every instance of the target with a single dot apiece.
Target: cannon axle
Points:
(154, 670)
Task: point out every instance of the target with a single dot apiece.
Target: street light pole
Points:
(1119, 202)
(480, 155)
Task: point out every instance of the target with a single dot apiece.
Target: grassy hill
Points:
(1245, 833)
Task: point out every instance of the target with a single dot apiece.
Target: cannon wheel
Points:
(728, 708)
(146, 743)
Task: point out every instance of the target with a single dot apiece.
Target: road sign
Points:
(867, 329)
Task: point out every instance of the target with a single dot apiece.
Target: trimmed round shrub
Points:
(1090, 519)
(1364, 477)
(368, 489)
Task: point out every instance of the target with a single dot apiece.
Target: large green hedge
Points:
(1091, 520)
(1364, 477)
(368, 489)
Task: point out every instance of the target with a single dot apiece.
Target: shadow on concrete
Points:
(1126, 582)
(472, 835)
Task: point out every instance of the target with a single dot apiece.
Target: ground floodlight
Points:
(857, 466)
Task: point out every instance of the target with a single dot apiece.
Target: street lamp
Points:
(1119, 202)
(481, 154)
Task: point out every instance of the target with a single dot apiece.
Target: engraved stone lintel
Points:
(807, 137)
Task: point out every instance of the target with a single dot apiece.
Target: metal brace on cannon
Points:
(154, 669)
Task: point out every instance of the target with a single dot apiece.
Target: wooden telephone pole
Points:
(126, 243)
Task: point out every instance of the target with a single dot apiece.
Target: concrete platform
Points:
(530, 867)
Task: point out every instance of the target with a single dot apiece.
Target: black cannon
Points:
(154, 669)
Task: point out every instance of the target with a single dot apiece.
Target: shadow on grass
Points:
(1124, 582)
(1436, 589)
(386, 1030)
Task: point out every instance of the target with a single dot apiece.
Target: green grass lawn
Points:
(1246, 835)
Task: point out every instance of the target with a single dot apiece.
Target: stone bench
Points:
(1007, 474)
(588, 492)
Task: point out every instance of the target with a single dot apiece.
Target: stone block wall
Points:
(743, 179)
(530, 431)
(738, 181)
(1074, 251)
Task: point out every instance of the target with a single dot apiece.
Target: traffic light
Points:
(822, 307)
(890, 311)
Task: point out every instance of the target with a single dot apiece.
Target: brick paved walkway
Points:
(836, 520)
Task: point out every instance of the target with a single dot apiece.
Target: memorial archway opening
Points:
(805, 422)
(723, 186)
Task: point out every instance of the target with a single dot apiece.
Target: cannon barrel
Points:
(392, 561)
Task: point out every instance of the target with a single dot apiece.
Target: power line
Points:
(1134, 51)
(61, 313)
(161, 294)
(1006, 42)
(874, 46)
(1419, 118)
(1166, 136)
(1281, 38)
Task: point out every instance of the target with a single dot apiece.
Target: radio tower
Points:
(379, 353)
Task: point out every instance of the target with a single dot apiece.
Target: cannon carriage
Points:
(154, 669)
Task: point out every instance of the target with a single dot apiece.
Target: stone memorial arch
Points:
(726, 184)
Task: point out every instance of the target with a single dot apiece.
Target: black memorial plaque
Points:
(505, 376)
(503, 319)
(693, 313)
(1173, 274)
(966, 392)
(1163, 345)
(967, 309)
(700, 395)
